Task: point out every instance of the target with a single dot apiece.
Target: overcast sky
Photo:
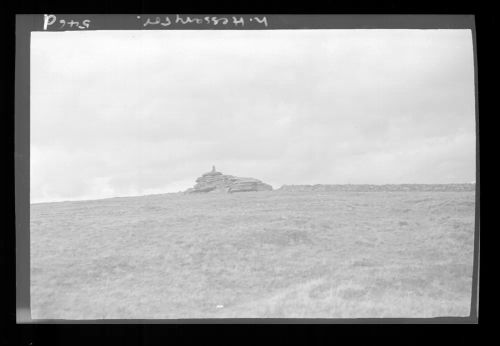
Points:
(120, 113)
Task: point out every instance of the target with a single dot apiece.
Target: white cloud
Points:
(129, 112)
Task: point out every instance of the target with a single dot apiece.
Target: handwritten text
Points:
(50, 20)
(234, 21)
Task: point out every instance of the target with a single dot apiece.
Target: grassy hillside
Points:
(258, 254)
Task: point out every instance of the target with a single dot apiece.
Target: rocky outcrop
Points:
(217, 182)
(248, 184)
(376, 188)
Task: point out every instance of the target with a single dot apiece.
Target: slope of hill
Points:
(258, 254)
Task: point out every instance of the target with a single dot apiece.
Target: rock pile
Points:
(375, 188)
(217, 182)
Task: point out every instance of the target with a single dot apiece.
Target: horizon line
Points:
(181, 192)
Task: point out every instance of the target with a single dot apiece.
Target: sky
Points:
(124, 113)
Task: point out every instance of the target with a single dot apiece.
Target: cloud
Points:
(133, 112)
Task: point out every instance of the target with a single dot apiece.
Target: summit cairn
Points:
(214, 181)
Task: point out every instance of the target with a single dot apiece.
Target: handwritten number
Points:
(49, 20)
